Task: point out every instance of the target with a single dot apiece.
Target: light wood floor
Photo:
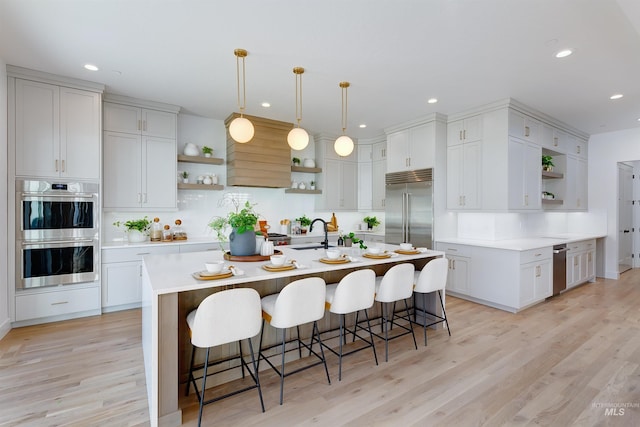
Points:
(559, 363)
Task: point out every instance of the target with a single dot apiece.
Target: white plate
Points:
(205, 273)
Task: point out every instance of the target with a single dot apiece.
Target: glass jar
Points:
(156, 230)
(178, 231)
(167, 235)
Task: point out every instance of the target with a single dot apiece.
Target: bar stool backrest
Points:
(433, 276)
(354, 292)
(301, 301)
(227, 316)
(397, 283)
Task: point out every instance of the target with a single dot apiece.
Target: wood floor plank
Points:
(559, 363)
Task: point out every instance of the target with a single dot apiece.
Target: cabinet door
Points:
(472, 129)
(331, 192)
(159, 123)
(528, 274)
(378, 172)
(455, 132)
(524, 175)
(79, 134)
(397, 147)
(122, 118)
(543, 284)
(121, 284)
(122, 170)
(349, 186)
(421, 147)
(455, 173)
(576, 178)
(37, 109)
(379, 151)
(472, 175)
(365, 200)
(159, 173)
(591, 265)
(365, 153)
(457, 279)
(573, 269)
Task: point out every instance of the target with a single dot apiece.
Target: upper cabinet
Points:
(55, 130)
(140, 169)
(412, 148)
(464, 163)
(524, 127)
(464, 130)
(339, 178)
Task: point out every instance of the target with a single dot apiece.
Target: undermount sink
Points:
(304, 248)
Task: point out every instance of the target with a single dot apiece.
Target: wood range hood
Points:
(265, 161)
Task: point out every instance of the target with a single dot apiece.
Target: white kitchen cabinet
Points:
(379, 151)
(365, 186)
(536, 280)
(52, 304)
(339, 178)
(524, 127)
(378, 172)
(459, 259)
(581, 262)
(576, 179)
(464, 176)
(464, 130)
(57, 131)
(139, 172)
(412, 148)
(143, 121)
(122, 274)
(524, 175)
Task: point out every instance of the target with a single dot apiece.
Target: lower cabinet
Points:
(58, 304)
(581, 263)
(536, 281)
(459, 262)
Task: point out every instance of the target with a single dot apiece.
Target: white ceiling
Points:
(396, 54)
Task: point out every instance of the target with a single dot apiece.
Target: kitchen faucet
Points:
(326, 231)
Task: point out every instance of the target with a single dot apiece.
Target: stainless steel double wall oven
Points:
(57, 233)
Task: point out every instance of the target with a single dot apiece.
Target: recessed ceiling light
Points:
(432, 100)
(91, 67)
(564, 53)
(266, 105)
(363, 125)
(616, 96)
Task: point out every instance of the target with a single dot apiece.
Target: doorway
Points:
(625, 217)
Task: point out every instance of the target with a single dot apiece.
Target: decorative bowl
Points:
(406, 246)
(333, 253)
(278, 260)
(214, 266)
(374, 251)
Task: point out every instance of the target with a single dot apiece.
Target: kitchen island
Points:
(170, 291)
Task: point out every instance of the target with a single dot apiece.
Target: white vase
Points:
(135, 236)
(309, 163)
(191, 149)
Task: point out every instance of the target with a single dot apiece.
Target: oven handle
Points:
(68, 196)
(56, 242)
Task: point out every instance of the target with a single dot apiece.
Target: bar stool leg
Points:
(406, 306)
(255, 370)
(424, 317)
(204, 386)
(340, 354)
(324, 359)
(190, 377)
(373, 347)
(282, 368)
(444, 313)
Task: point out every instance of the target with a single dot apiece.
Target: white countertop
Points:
(523, 244)
(173, 272)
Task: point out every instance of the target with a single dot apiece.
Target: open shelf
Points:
(300, 191)
(551, 175)
(305, 170)
(214, 187)
(552, 201)
(200, 159)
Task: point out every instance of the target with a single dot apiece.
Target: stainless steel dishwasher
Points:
(559, 268)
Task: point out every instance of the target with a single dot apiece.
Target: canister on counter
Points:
(156, 230)
(167, 235)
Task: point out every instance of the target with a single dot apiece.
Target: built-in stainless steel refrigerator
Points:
(409, 208)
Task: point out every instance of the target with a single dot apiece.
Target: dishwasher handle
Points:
(561, 250)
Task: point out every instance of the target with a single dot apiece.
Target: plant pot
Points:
(135, 236)
(547, 168)
(303, 231)
(185, 180)
(207, 154)
(242, 244)
(347, 242)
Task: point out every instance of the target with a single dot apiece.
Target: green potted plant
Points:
(351, 238)
(185, 177)
(304, 223)
(371, 221)
(137, 229)
(547, 163)
(242, 239)
(207, 151)
(295, 161)
(312, 185)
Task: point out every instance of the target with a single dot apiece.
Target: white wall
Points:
(5, 324)
(605, 151)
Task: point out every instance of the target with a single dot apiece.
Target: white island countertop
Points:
(525, 243)
(174, 272)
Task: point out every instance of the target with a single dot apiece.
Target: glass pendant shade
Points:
(343, 146)
(298, 138)
(241, 130)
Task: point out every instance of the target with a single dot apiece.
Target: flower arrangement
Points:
(241, 219)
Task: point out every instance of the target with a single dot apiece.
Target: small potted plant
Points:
(185, 177)
(207, 151)
(547, 163)
(371, 221)
(351, 238)
(304, 223)
(242, 222)
(312, 185)
(295, 161)
(136, 229)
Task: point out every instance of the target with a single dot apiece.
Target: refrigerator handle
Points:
(407, 238)
(404, 217)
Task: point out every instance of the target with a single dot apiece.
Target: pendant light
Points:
(298, 138)
(344, 144)
(241, 129)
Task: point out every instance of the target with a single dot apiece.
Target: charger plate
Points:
(209, 276)
(278, 268)
(403, 252)
(341, 260)
(377, 256)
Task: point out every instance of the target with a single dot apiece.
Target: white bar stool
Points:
(432, 278)
(355, 292)
(395, 285)
(300, 302)
(222, 318)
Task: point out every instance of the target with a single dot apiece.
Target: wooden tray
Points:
(250, 258)
(224, 275)
(335, 261)
(279, 268)
(377, 256)
(403, 252)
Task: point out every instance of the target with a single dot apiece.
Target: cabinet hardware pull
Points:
(526, 131)
(144, 197)
(139, 197)
(460, 136)
(453, 261)
(555, 141)
(60, 303)
(62, 165)
(464, 134)
(139, 124)
(56, 165)
(144, 125)
(538, 271)
(538, 254)
(578, 149)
